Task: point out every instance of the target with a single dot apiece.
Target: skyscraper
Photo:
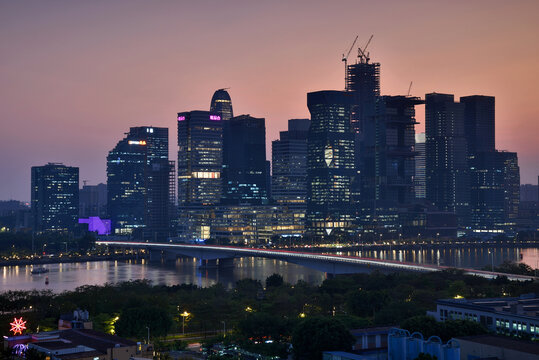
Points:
(200, 158)
(479, 123)
(511, 184)
(487, 192)
(363, 83)
(330, 164)
(133, 191)
(244, 160)
(420, 181)
(221, 104)
(55, 197)
(447, 173)
(200, 161)
(394, 150)
(289, 164)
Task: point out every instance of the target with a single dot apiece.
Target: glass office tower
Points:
(55, 197)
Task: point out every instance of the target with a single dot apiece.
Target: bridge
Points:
(218, 255)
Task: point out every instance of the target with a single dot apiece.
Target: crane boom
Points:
(345, 59)
(361, 52)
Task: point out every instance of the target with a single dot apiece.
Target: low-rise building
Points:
(497, 347)
(508, 315)
(79, 344)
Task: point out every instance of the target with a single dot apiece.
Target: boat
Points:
(39, 270)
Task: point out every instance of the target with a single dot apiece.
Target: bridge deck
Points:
(301, 258)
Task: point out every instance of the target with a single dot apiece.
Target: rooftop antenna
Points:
(364, 58)
(345, 59)
(409, 88)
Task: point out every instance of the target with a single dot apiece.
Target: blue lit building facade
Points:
(55, 197)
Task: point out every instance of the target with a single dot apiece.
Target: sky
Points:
(75, 75)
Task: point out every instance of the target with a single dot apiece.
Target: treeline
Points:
(254, 312)
(21, 244)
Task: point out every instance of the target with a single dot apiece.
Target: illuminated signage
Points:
(215, 117)
(137, 142)
(181, 118)
(18, 326)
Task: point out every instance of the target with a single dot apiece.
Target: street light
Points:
(224, 328)
(492, 263)
(184, 315)
(148, 334)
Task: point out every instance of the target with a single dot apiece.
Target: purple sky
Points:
(75, 75)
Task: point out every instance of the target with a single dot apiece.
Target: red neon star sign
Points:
(17, 326)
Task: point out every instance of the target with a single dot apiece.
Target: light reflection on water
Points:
(68, 276)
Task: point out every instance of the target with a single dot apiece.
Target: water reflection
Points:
(68, 276)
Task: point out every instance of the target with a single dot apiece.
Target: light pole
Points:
(224, 328)
(492, 260)
(184, 315)
(148, 328)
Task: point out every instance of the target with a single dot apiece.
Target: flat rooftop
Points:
(523, 346)
(525, 305)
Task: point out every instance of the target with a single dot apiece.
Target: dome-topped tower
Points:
(222, 104)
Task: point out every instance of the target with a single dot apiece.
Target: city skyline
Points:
(75, 91)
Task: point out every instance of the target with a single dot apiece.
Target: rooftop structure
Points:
(497, 347)
(81, 344)
(510, 315)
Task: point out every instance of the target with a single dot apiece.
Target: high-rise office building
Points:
(511, 184)
(136, 168)
(200, 158)
(363, 83)
(200, 161)
(289, 164)
(55, 197)
(479, 123)
(394, 151)
(221, 104)
(487, 193)
(93, 201)
(330, 164)
(245, 178)
(447, 172)
(363, 80)
(420, 181)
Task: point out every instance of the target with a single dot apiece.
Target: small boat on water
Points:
(39, 270)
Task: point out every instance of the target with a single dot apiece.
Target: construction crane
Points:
(409, 88)
(345, 59)
(364, 57)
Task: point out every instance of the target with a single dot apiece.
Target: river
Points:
(68, 276)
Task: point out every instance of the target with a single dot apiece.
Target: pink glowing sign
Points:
(215, 117)
(181, 118)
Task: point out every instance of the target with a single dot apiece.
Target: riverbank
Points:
(68, 259)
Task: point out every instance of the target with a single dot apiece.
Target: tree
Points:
(274, 280)
(424, 356)
(133, 322)
(315, 335)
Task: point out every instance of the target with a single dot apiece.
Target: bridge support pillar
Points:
(155, 255)
(226, 262)
(169, 256)
(207, 264)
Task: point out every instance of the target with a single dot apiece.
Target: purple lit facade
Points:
(95, 223)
